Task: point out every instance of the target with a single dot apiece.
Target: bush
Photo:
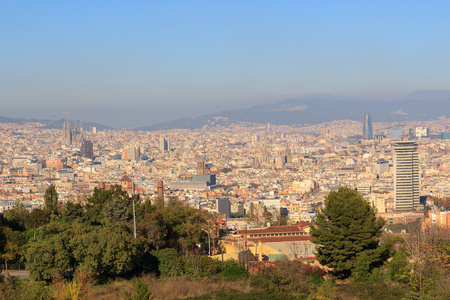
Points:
(169, 263)
(376, 275)
(399, 268)
(141, 291)
(287, 277)
(233, 270)
(202, 266)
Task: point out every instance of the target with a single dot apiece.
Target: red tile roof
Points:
(126, 178)
(279, 229)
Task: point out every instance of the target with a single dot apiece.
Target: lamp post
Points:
(209, 241)
(134, 211)
(35, 232)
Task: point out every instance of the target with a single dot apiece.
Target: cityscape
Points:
(224, 150)
(264, 182)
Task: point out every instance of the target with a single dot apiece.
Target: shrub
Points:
(399, 268)
(233, 270)
(141, 291)
(203, 266)
(287, 277)
(169, 263)
(376, 275)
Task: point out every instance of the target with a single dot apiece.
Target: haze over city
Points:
(129, 64)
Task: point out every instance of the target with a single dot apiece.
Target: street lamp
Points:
(209, 241)
(35, 232)
(134, 208)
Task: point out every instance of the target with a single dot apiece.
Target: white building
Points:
(406, 176)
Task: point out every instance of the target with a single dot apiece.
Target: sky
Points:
(134, 63)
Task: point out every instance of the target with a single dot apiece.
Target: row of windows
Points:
(277, 234)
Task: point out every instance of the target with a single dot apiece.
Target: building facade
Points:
(406, 175)
(367, 127)
(87, 149)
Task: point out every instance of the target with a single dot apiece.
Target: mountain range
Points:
(421, 105)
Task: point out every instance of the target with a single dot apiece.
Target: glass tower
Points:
(367, 127)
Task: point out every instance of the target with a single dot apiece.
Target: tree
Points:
(17, 216)
(11, 253)
(104, 250)
(51, 199)
(72, 211)
(399, 268)
(346, 227)
(115, 210)
(100, 198)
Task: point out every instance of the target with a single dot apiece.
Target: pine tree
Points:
(344, 229)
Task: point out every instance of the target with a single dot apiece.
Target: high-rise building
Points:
(406, 175)
(200, 166)
(422, 132)
(380, 166)
(224, 206)
(87, 149)
(396, 133)
(163, 145)
(131, 153)
(367, 127)
(255, 139)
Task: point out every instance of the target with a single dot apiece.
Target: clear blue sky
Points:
(166, 59)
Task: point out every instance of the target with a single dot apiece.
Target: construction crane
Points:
(68, 116)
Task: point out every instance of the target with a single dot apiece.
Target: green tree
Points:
(104, 250)
(17, 216)
(107, 250)
(51, 199)
(38, 217)
(115, 210)
(151, 229)
(345, 227)
(72, 211)
(100, 198)
(183, 224)
(399, 268)
(169, 262)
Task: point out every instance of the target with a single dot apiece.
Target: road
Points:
(20, 274)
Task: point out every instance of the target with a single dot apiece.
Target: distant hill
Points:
(420, 105)
(52, 124)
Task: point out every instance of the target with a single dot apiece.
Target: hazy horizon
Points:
(158, 61)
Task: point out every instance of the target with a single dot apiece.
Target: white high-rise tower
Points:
(406, 175)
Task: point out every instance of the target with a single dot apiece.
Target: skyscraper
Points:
(406, 175)
(367, 127)
(163, 144)
(87, 149)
